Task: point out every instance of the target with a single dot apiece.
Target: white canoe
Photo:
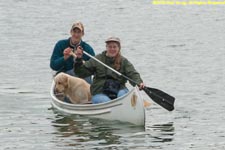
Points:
(128, 108)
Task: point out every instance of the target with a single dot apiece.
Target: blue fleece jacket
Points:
(57, 61)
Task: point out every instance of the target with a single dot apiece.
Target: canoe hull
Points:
(128, 108)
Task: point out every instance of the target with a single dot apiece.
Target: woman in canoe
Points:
(107, 85)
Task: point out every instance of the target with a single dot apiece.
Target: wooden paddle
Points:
(163, 99)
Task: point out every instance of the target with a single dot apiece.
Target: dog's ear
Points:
(65, 80)
(68, 82)
(55, 79)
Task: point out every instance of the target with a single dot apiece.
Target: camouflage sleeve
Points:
(131, 72)
(81, 69)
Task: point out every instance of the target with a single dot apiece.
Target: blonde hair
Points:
(117, 61)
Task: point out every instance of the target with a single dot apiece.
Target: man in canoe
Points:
(61, 59)
(107, 85)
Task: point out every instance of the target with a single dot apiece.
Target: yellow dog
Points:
(76, 89)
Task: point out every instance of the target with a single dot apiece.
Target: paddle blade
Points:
(163, 99)
(170, 99)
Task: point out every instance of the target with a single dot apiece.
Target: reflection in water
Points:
(165, 132)
(86, 133)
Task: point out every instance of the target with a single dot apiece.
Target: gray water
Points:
(178, 49)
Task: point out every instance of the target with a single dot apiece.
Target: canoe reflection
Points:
(82, 129)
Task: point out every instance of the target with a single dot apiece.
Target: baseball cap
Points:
(113, 39)
(78, 25)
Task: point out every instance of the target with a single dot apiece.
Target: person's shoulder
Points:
(87, 48)
(125, 61)
(84, 43)
(124, 58)
(100, 55)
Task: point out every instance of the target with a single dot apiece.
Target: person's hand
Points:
(67, 52)
(79, 52)
(141, 86)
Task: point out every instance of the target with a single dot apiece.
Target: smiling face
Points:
(112, 48)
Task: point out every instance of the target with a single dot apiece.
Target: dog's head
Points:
(61, 82)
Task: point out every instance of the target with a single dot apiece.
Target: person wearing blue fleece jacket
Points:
(62, 59)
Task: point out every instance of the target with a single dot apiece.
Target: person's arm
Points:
(59, 56)
(57, 59)
(83, 68)
(132, 73)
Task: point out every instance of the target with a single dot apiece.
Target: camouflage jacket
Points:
(101, 73)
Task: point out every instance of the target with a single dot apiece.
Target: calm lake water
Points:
(178, 49)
